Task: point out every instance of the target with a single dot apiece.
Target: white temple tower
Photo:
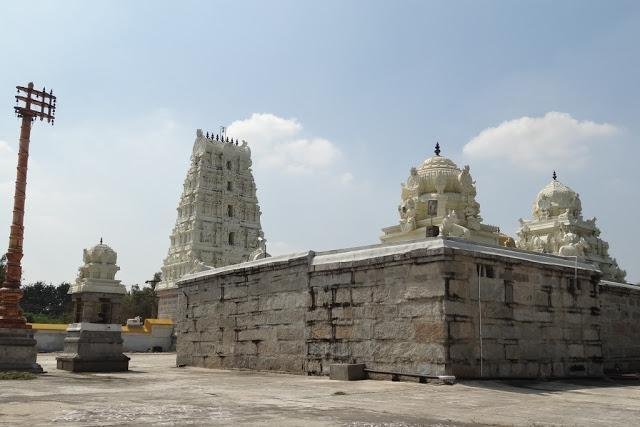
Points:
(440, 199)
(557, 227)
(218, 215)
(96, 294)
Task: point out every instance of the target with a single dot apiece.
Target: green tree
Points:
(44, 303)
(139, 302)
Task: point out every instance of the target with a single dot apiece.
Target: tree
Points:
(44, 303)
(139, 302)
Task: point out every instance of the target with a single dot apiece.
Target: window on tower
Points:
(232, 236)
(229, 186)
(229, 164)
(230, 211)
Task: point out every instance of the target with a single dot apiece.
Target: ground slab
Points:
(155, 392)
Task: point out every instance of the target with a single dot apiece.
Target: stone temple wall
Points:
(536, 319)
(410, 307)
(167, 303)
(620, 330)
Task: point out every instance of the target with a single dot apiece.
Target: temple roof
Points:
(100, 254)
(555, 199)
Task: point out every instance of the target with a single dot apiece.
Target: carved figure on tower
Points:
(439, 196)
(557, 227)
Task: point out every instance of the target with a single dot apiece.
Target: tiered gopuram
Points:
(439, 199)
(558, 228)
(218, 215)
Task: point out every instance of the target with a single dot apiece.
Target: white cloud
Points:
(276, 143)
(538, 143)
(346, 178)
(264, 128)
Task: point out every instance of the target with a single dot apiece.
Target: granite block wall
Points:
(248, 318)
(518, 319)
(387, 313)
(407, 308)
(167, 303)
(620, 327)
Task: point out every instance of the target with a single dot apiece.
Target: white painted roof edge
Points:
(377, 251)
(358, 254)
(397, 248)
(246, 264)
(619, 285)
(521, 254)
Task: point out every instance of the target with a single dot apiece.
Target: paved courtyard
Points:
(155, 392)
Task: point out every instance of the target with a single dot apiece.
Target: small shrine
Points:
(94, 342)
(96, 295)
(557, 227)
(438, 199)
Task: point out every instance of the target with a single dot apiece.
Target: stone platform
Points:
(154, 392)
(18, 350)
(91, 347)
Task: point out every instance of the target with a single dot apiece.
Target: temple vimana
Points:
(443, 293)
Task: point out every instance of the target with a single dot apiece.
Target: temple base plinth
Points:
(18, 351)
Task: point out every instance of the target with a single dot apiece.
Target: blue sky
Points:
(368, 87)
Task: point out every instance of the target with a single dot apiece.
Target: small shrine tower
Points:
(94, 341)
(218, 219)
(557, 227)
(96, 294)
(439, 199)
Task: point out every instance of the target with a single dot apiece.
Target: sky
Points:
(337, 99)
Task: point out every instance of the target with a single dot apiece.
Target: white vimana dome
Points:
(438, 198)
(100, 254)
(555, 199)
(557, 227)
(97, 274)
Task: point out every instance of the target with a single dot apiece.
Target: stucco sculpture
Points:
(557, 227)
(439, 199)
(97, 274)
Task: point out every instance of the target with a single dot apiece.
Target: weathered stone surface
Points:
(618, 327)
(347, 372)
(18, 350)
(372, 310)
(93, 348)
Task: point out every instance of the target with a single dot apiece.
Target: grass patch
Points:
(16, 375)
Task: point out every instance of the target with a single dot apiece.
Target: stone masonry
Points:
(620, 314)
(409, 307)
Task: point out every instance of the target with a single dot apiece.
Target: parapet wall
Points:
(410, 307)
